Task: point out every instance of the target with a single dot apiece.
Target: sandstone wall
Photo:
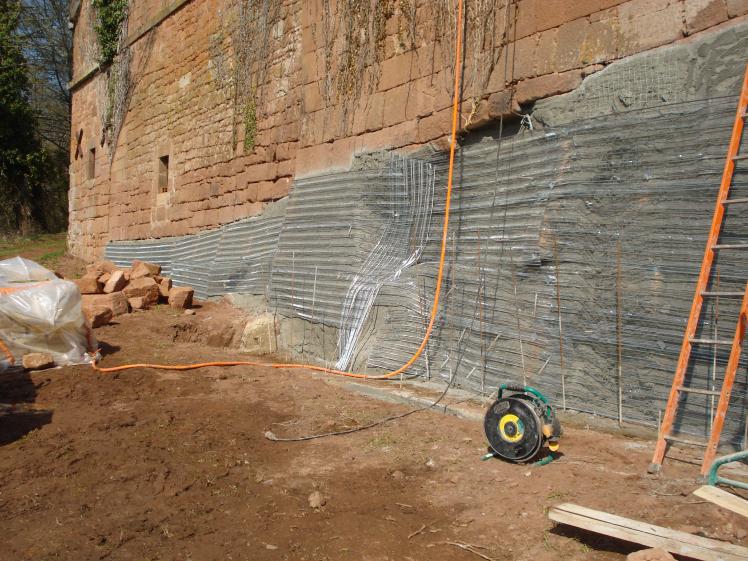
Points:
(310, 84)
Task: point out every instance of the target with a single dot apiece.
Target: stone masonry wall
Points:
(326, 79)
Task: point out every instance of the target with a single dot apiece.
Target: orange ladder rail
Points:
(724, 397)
(702, 283)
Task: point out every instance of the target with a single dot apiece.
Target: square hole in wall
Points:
(163, 174)
(91, 164)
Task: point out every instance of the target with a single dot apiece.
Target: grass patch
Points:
(51, 258)
(47, 243)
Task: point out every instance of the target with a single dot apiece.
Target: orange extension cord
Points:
(440, 275)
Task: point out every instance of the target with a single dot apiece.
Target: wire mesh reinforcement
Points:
(569, 248)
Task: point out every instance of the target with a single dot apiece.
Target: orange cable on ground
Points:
(6, 351)
(439, 277)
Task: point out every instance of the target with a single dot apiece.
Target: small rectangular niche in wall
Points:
(91, 164)
(163, 174)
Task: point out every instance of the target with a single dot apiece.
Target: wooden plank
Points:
(681, 543)
(722, 498)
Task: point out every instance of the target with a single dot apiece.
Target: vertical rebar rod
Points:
(314, 295)
(560, 328)
(481, 300)
(519, 327)
(619, 329)
(423, 321)
(293, 296)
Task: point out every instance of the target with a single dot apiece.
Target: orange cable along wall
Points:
(439, 278)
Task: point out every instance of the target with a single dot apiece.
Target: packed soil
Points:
(163, 465)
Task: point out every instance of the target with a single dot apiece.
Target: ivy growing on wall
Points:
(250, 123)
(252, 44)
(110, 15)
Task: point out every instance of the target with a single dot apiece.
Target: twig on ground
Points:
(422, 529)
(414, 534)
(470, 548)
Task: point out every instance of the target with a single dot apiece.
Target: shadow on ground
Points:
(18, 417)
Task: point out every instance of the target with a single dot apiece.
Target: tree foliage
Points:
(21, 156)
(33, 170)
(49, 54)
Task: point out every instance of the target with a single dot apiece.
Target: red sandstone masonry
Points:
(183, 100)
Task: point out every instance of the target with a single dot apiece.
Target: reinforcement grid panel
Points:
(607, 217)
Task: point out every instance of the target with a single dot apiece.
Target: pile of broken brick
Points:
(108, 291)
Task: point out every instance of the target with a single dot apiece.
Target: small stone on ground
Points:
(317, 500)
(38, 361)
(656, 554)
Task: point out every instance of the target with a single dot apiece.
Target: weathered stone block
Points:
(97, 315)
(313, 97)
(138, 303)
(272, 191)
(644, 24)
(141, 269)
(499, 104)
(395, 71)
(102, 265)
(164, 287)
(434, 126)
(259, 335)
(420, 99)
(375, 112)
(181, 297)
(145, 287)
(737, 8)
(116, 301)
(89, 283)
(395, 100)
(548, 85)
(115, 283)
(701, 14)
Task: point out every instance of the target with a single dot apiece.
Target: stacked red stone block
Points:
(108, 291)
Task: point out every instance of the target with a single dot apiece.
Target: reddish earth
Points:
(153, 465)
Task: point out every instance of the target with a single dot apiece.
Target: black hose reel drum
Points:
(518, 425)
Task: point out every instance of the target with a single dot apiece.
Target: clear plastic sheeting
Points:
(40, 313)
(18, 271)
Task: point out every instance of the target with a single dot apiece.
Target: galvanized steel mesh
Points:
(607, 217)
(234, 258)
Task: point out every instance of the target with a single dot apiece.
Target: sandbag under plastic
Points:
(41, 313)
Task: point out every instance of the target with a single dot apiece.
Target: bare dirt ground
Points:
(154, 465)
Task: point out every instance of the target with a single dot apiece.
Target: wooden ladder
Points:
(689, 338)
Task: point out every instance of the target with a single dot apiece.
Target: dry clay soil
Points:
(161, 465)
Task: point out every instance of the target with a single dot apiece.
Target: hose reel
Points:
(518, 425)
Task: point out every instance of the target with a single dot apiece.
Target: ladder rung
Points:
(712, 341)
(731, 246)
(736, 158)
(686, 441)
(727, 294)
(698, 391)
(739, 201)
